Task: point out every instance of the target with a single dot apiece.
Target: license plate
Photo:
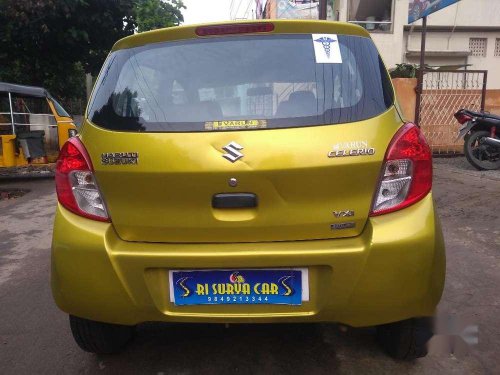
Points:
(239, 287)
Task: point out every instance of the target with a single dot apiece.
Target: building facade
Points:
(242, 9)
(465, 35)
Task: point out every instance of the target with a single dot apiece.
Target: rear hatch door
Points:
(173, 124)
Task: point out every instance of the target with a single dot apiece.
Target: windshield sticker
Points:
(235, 124)
(326, 49)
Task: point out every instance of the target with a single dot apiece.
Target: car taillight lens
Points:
(76, 186)
(407, 172)
(462, 118)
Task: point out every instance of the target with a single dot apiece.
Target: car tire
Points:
(406, 339)
(469, 142)
(98, 337)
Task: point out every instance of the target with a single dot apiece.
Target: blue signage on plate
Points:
(421, 8)
(237, 287)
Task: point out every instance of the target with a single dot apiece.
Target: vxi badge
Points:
(117, 158)
(353, 148)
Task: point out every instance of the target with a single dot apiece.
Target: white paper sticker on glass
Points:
(326, 49)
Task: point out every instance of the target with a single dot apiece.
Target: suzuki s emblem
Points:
(233, 151)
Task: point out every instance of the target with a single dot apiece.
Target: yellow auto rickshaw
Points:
(33, 125)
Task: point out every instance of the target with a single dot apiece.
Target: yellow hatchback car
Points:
(247, 173)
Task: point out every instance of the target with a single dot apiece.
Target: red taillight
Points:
(239, 28)
(462, 118)
(407, 172)
(76, 186)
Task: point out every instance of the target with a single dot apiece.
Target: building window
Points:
(497, 47)
(477, 46)
(373, 15)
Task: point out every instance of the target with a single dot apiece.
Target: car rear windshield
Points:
(244, 82)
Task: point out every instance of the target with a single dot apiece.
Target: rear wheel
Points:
(98, 337)
(482, 157)
(407, 339)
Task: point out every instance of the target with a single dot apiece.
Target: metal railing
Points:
(444, 92)
(26, 122)
(14, 123)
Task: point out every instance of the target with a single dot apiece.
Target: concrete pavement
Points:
(35, 335)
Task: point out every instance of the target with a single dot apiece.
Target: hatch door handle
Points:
(234, 200)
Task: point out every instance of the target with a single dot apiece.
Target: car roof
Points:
(280, 27)
(23, 89)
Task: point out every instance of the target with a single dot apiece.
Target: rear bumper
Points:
(394, 270)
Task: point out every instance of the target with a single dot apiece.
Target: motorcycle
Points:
(481, 133)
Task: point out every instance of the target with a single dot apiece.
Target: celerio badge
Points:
(232, 152)
(353, 148)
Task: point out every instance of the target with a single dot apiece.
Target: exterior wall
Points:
(406, 96)
(459, 41)
(443, 47)
(284, 9)
(390, 44)
(472, 13)
(493, 101)
(242, 10)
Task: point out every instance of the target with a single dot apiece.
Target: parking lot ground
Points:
(35, 336)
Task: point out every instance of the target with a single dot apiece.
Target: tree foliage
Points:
(53, 43)
(155, 14)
